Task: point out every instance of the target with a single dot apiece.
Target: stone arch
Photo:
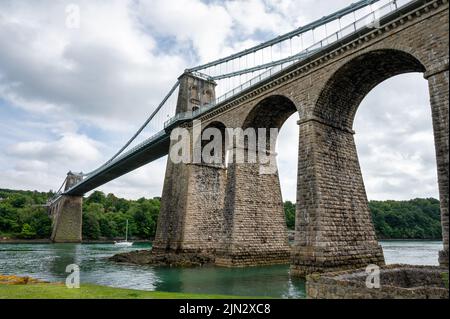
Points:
(342, 94)
(255, 230)
(216, 149)
(338, 226)
(271, 112)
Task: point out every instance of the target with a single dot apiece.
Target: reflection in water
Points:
(260, 281)
(48, 262)
(62, 256)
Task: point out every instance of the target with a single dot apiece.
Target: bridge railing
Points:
(232, 71)
(369, 20)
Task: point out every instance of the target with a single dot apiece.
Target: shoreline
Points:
(150, 241)
(25, 287)
(48, 241)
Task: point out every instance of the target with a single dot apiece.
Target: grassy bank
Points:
(89, 291)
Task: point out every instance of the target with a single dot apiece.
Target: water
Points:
(419, 252)
(48, 262)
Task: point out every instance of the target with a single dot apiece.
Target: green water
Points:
(49, 261)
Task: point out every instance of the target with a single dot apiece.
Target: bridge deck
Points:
(148, 152)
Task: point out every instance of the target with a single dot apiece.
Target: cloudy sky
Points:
(70, 97)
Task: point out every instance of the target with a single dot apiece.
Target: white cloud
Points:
(190, 22)
(70, 97)
(69, 148)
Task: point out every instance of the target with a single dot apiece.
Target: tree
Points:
(90, 227)
(18, 200)
(96, 197)
(413, 219)
(105, 216)
(27, 232)
(41, 222)
(108, 227)
(289, 211)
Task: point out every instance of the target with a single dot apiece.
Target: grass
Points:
(89, 291)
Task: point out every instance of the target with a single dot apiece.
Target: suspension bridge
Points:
(235, 74)
(322, 71)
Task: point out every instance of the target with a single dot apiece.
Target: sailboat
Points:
(125, 243)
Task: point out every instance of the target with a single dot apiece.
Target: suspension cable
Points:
(351, 8)
(155, 112)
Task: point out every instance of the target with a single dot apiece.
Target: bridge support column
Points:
(255, 231)
(191, 214)
(334, 227)
(66, 214)
(190, 217)
(438, 81)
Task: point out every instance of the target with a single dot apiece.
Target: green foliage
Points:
(89, 291)
(22, 216)
(289, 211)
(27, 232)
(105, 216)
(414, 219)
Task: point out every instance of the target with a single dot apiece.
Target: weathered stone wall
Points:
(439, 83)
(254, 231)
(67, 220)
(66, 215)
(396, 282)
(194, 93)
(333, 225)
(191, 215)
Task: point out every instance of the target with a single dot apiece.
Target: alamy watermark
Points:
(224, 146)
(373, 277)
(73, 279)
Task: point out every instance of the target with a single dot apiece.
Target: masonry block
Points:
(334, 227)
(66, 214)
(254, 231)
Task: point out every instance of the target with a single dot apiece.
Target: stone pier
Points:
(438, 81)
(254, 231)
(190, 218)
(234, 215)
(66, 214)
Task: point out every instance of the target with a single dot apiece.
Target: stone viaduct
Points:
(236, 214)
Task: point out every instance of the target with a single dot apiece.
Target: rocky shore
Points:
(395, 282)
(18, 280)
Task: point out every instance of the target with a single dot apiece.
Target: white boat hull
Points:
(123, 244)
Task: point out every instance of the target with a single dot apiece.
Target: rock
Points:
(16, 280)
(146, 257)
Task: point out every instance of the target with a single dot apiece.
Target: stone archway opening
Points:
(394, 140)
(346, 89)
(280, 113)
(334, 222)
(213, 144)
(255, 229)
(287, 160)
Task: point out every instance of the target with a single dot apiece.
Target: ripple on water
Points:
(48, 262)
